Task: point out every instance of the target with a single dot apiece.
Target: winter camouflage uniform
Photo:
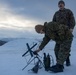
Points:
(60, 34)
(65, 17)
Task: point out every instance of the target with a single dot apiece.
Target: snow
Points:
(12, 62)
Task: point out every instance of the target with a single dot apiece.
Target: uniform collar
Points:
(62, 10)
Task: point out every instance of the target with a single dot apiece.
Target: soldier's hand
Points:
(36, 52)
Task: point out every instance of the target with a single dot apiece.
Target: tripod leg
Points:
(40, 61)
(28, 63)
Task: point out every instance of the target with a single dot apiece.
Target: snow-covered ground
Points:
(12, 62)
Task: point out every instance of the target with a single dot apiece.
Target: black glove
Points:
(35, 53)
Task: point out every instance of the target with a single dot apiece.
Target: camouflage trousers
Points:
(62, 51)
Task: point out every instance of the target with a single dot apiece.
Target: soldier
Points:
(60, 34)
(66, 17)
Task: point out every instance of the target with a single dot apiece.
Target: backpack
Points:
(46, 61)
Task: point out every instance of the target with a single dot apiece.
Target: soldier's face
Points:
(61, 6)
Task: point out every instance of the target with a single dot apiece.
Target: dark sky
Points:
(20, 16)
(37, 9)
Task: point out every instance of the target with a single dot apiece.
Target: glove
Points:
(35, 53)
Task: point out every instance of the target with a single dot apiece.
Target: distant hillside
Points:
(2, 42)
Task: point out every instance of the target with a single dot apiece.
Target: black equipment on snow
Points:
(38, 63)
(35, 68)
(46, 61)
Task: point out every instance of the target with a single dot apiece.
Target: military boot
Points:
(68, 61)
(57, 68)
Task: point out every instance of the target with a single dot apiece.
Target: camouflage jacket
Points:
(56, 32)
(65, 17)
